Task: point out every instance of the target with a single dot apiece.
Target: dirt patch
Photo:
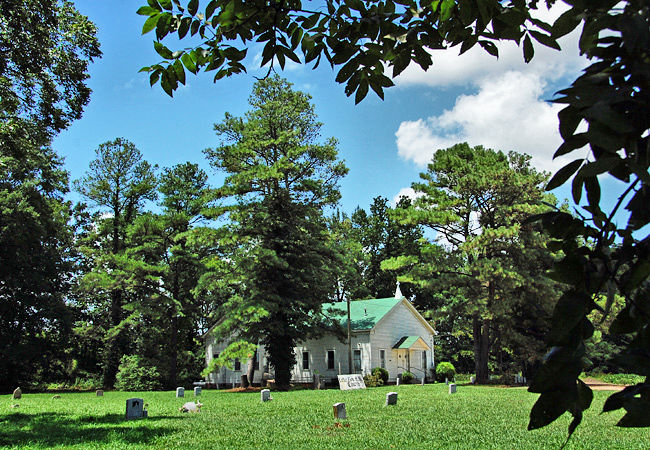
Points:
(248, 389)
(597, 385)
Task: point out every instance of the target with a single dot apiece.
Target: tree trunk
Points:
(173, 350)
(250, 373)
(481, 348)
(114, 347)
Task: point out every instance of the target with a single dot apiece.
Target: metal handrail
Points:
(413, 368)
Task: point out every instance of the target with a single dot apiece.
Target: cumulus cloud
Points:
(405, 192)
(507, 113)
(451, 69)
(505, 106)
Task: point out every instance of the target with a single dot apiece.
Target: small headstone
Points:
(422, 382)
(321, 384)
(446, 381)
(191, 407)
(18, 393)
(265, 395)
(452, 388)
(472, 379)
(339, 411)
(134, 408)
(391, 398)
(99, 393)
(316, 381)
(180, 392)
(397, 380)
(197, 391)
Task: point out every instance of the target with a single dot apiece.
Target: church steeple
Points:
(398, 292)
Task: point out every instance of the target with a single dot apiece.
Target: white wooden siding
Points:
(399, 322)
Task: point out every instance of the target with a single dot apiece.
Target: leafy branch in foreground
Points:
(362, 40)
(613, 99)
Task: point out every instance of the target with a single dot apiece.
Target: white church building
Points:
(386, 332)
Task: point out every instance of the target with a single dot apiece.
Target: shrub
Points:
(136, 374)
(383, 373)
(407, 377)
(373, 380)
(445, 370)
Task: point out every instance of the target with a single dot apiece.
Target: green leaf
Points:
(566, 23)
(189, 63)
(184, 27)
(576, 189)
(180, 71)
(150, 23)
(209, 10)
(573, 142)
(162, 50)
(193, 7)
(529, 51)
(619, 399)
(166, 4)
(362, 91)
(585, 395)
(593, 191)
(564, 174)
(570, 118)
(548, 407)
(147, 11)
(489, 47)
(569, 311)
(545, 39)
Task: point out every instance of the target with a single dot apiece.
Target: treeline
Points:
(118, 289)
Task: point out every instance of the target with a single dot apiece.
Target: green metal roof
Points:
(406, 342)
(364, 314)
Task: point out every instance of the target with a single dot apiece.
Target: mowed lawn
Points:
(425, 417)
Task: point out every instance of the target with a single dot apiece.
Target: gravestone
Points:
(197, 391)
(316, 381)
(422, 382)
(191, 407)
(397, 380)
(134, 408)
(472, 379)
(391, 398)
(265, 395)
(354, 381)
(18, 393)
(339, 411)
(452, 388)
(180, 392)
(99, 393)
(446, 381)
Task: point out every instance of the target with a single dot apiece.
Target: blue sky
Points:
(386, 144)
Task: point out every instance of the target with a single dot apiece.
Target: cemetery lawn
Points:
(424, 417)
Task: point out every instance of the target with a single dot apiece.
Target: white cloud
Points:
(507, 113)
(405, 192)
(451, 69)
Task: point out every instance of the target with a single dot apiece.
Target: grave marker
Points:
(180, 392)
(422, 382)
(472, 379)
(339, 411)
(99, 393)
(265, 395)
(452, 388)
(18, 393)
(354, 381)
(197, 391)
(391, 398)
(134, 408)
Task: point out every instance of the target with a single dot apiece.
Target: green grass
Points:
(425, 417)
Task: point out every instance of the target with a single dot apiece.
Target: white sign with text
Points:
(354, 381)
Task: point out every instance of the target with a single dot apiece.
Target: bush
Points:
(373, 380)
(407, 377)
(136, 374)
(383, 373)
(445, 370)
